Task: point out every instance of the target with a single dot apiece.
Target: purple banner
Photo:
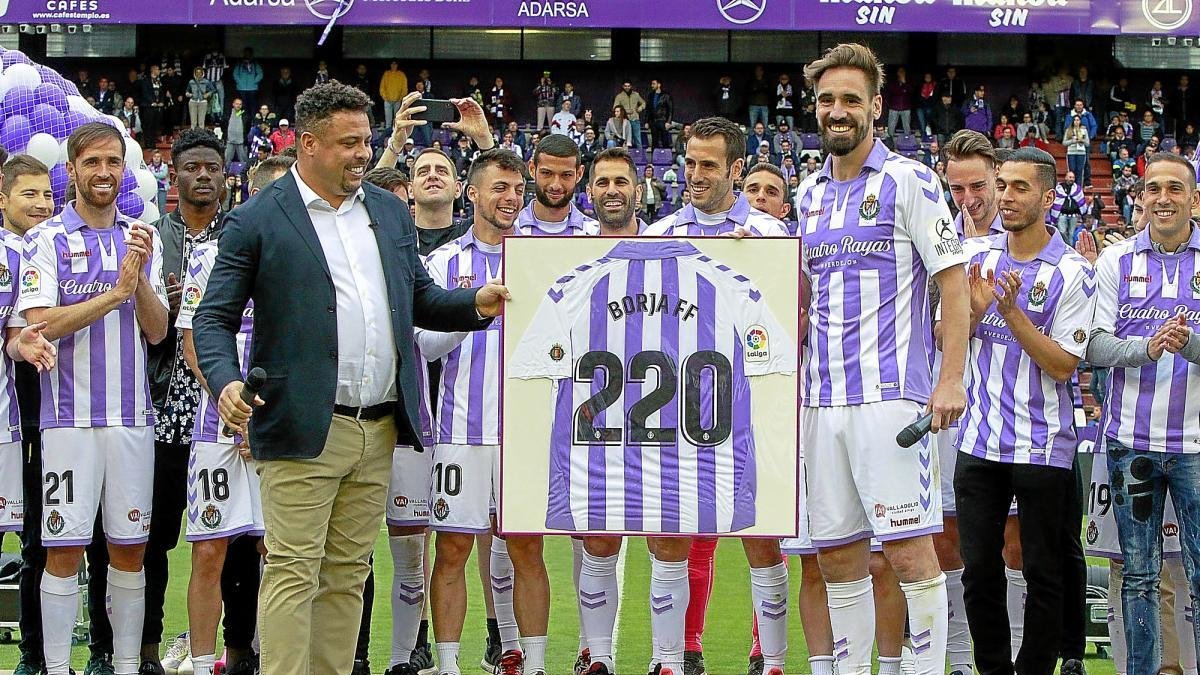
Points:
(1068, 17)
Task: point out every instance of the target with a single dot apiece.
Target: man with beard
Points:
(712, 163)
(615, 192)
(887, 214)
(467, 426)
(557, 168)
(109, 296)
(1041, 333)
(26, 200)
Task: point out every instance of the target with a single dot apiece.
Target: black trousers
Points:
(1074, 622)
(984, 490)
(239, 590)
(33, 554)
(659, 136)
(363, 646)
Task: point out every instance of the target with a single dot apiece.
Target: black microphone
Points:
(254, 383)
(914, 432)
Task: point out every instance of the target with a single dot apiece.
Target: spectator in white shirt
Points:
(564, 120)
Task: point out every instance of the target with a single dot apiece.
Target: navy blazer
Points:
(269, 252)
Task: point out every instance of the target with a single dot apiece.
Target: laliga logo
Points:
(1167, 14)
(743, 11)
(326, 9)
(756, 339)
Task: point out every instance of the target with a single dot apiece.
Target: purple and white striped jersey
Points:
(687, 222)
(1015, 413)
(871, 245)
(576, 224)
(100, 379)
(11, 245)
(208, 422)
(1156, 407)
(468, 402)
(650, 348)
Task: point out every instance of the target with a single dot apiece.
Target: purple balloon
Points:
(47, 119)
(15, 133)
(72, 120)
(131, 205)
(51, 94)
(128, 182)
(19, 100)
(58, 183)
(13, 56)
(67, 86)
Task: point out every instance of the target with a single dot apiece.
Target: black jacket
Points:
(161, 357)
(269, 252)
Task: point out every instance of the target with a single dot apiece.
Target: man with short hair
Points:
(712, 163)
(467, 425)
(235, 134)
(247, 76)
(1043, 332)
(616, 192)
(1144, 329)
(224, 513)
(268, 171)
(634, 104)
(26, 200)
(342, 389)
(556, 168)
(867, 489)
(91, 274)
(564, 119)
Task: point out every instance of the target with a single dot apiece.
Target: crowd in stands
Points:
(1122, 121)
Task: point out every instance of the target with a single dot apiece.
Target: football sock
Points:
(958, 636)
(852, 615)
(502, 595)
(755, 645)
(126, 610)
(60, 603)
(533, 649)
(668, 606)
(927, 614)
(889, 665)
(408, 593)
(447, 658)
(576, 570)
(821, 665)
(203, 665)
(1016, 608)
(598, 605)
(1183, 615)
(1116, 617)
(700, 578)
(769, 593)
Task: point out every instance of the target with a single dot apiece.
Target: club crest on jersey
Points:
(30, 281)
(869, 208)
(441, 510)
(211, 517)
(1037, 294)
(5, 275)
(1080, 336)
(557, 352)
(55, 522)
(758, 346)
(1195, 282)
(1093, 533)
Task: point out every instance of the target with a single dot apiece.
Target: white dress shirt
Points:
(366, 343)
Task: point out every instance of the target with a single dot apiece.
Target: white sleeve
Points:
(1072, 324)
(435, 345)
(545, 348)
(39, 275)
(765, 343)
(1108, 271)
(154, 274)
(193, 289)
(923, 214)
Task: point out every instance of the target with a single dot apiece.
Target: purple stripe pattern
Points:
(653, 431)
(10, 269)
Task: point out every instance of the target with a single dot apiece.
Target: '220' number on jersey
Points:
(707, 387)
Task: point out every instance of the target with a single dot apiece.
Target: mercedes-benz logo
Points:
(328, 9)
(744, 11)
(1167, 14)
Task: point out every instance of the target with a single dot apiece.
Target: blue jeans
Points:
(635, 127)
(1140, 481)
(1077, 164)
(759, 113)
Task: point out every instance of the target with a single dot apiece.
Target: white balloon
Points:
(116, 121)
(133, 153)
(44, 148)
(150, 212)
(147, 185)
(62, 153)
(22, 73)
(80, 105)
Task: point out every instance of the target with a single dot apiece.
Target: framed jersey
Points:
(650, 386)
